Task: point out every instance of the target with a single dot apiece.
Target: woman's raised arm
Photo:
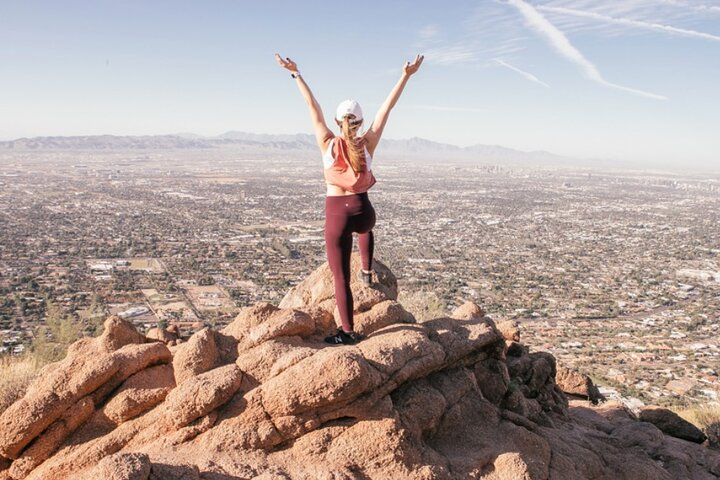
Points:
(323, 135)
(374, 133)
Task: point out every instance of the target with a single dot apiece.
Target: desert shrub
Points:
(706, 418)
(52, 339)
(50, 345)
(424, 305)
(16, 373)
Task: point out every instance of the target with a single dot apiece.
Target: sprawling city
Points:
(616, 272)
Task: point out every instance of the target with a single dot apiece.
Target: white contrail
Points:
(563, 46)
(525, 74)
(632, 23)
(701, 8)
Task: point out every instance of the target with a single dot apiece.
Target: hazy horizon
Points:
(545, 158)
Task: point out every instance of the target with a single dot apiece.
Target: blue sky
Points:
(635, 80)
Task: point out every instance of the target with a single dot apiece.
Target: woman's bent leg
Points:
(363, 224)
(366, 243)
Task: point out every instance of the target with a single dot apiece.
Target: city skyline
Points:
(622, 80)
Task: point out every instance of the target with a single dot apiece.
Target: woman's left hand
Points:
(286, 63)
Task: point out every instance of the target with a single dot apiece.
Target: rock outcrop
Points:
(577, 384)
(671, 424)
(451, 398)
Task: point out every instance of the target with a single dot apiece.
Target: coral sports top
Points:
(338, 170)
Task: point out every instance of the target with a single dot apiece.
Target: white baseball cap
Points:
(348, 107)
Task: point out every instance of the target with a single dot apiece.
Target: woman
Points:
(348, 173)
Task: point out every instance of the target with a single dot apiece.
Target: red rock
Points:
(311, 384)
(440, 400)
(672, 424)
(202, 394)
(162, 335)
(272, 357)
(51, 395)
(283, 323)
(248, 318)
(52, 437)
(131, 359)
(121, 466)
(318, 289)
(139, 393)
(381, 315)
(493, 379)
(163, 471)
(117, 333)
(575, 383)
(468, 311)
(510, 330)
(198, 355)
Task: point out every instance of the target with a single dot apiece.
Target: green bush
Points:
(53, 338)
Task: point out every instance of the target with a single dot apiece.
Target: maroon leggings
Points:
(343, 216)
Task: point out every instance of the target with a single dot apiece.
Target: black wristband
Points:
(295, 74)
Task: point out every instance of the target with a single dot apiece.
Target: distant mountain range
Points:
(277, 142)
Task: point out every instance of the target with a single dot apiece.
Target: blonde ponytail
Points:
(356, 153)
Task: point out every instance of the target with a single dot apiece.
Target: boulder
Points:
(162, 335)
(248, 318)
(282, 323)
(118, 333)
(85, 369)
(121, 466)
(139, 393)
(577, 384)
(380, 315)
(323, 319)
(468, 311)
(493, 379)
(318, 289)
(198, 355)
(672, 424)
(202, 394)
(131, 359)
(510, 330)
(263, 321)
(273, 357)
(331, 376)
(460, 338)
(52, 438)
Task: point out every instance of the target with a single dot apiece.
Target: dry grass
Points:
(16, 373)
(706, 418)
(424, 305)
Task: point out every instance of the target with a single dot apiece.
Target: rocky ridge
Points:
(452, 398)
(277, 142)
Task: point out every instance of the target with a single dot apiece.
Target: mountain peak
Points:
(417, 146)
(453, 397)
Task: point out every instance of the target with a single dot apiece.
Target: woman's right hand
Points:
(410, 68)
(286, 63)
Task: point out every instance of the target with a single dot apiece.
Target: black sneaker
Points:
(343, 338)
(365, 277)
